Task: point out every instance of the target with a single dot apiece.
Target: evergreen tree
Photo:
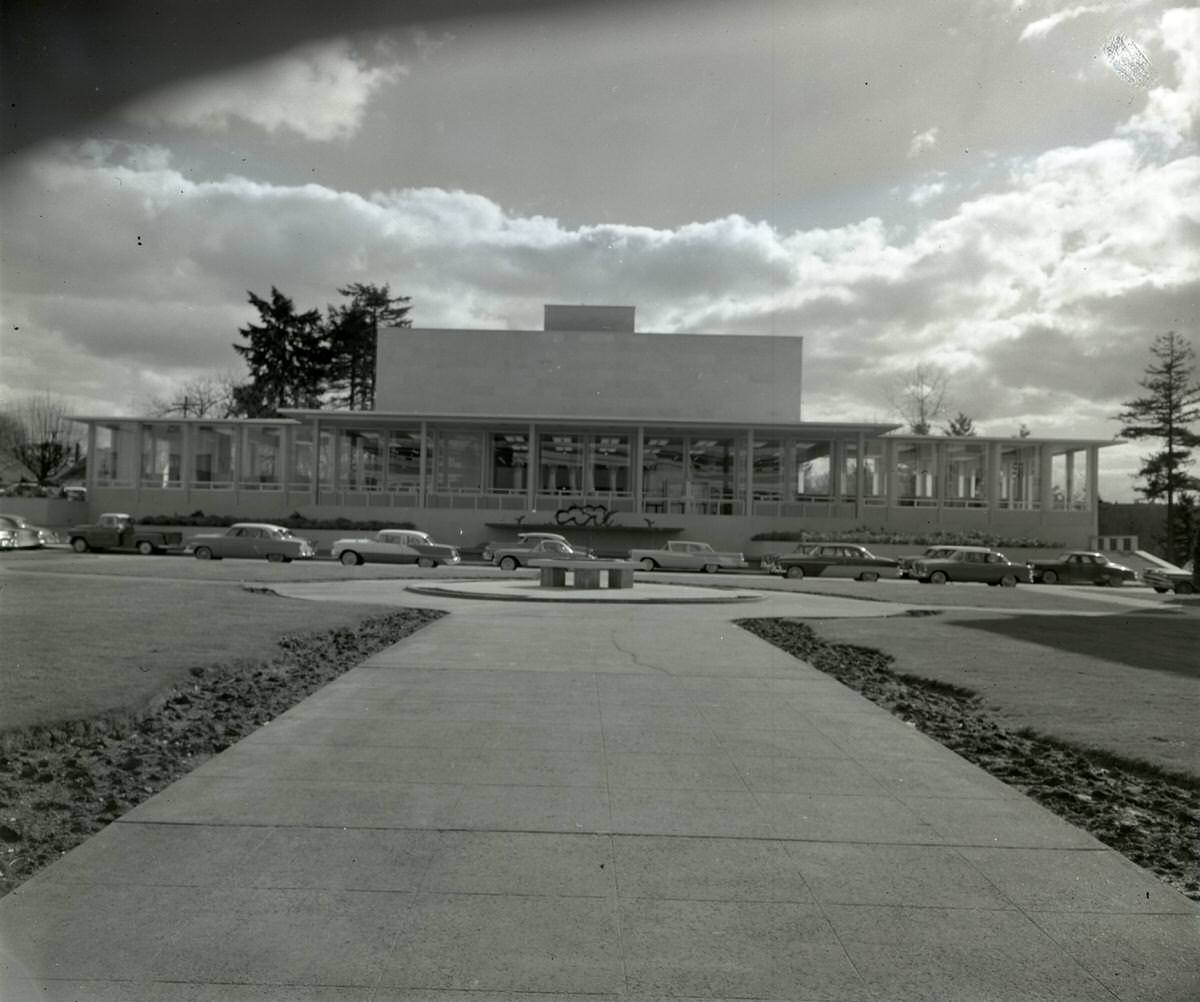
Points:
(353, 332)
(287, 355)
(961, 425)
(1171, 404)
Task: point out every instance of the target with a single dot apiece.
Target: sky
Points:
(1007, 189)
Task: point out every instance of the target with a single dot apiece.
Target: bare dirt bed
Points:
(61, 783)
(1147, 814)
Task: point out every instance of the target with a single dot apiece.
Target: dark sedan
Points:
(1081, 567)
(970, 563)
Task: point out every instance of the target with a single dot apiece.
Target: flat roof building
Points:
(590, 423)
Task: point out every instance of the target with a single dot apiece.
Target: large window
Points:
(916, 473)
(162, 455)
(303, 458)
(216, 455)
(813, 470)
(965, 477)
(510, 461)
(874, 473)
(458, 461)
(609, 464)
(360, 460)
(404, 461)
(1018, 477)
(663, 471)
(768, 469)
(262, 457)
(715, 472)
(560, 464)
(115, 455)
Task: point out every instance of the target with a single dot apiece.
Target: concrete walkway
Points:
(606, 802)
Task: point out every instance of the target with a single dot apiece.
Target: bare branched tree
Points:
(38, 434)
(210, 396)
(919, 396)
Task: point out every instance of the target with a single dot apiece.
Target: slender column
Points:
(748, 490)
(316, 470)
(534, 473)
(837, 455)
(91, 457)
(787, 470)
(187, 458)
(1093, 478)
(139, 457)
(283, 462)
(421, 475)
(860, 457)
(991, 473)
(941, 469)
(635, 472)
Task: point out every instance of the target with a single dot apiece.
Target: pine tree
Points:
(1171, 404)
(287, 355)
(353, 331)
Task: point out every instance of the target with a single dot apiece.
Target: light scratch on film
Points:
(1128, 61)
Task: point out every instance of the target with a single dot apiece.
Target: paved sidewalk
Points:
(605, 802)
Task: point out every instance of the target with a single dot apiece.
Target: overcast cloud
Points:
(1037, 273)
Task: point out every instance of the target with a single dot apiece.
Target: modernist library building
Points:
(589, 423)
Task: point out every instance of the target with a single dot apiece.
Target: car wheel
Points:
(1049, 577)
(350, 558)
(1008, 581)
(795, 571)
(145, 548)
(509, 564)
(938, 577)
(1162, 591)
(79, 544)
(1184, 588)
(203, 553)
(426, 562)
(710, 568)
(275, 558)
(868, 576)
(649, 564)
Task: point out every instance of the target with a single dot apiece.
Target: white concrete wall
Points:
(572, 374)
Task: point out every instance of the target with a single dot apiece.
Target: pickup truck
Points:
(115, 531)
(683, 555)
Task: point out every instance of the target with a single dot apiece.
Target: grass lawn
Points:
(77, 647)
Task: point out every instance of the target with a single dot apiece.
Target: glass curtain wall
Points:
(1019, 483)
(116, 458)
(458, 461)
(768, 469)
(965, 477)
(360, 460)
(664, 475)
(510, 462)
(916, 473)
(216, 456)
(813, 465)
(162, 455)
(261, 462)
(609, 465)
(303, 459)
(404, 461)
(560, 464)
(716, 474)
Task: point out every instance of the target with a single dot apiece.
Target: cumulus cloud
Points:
(1044, 25)
(1040, 295)
(319, 92)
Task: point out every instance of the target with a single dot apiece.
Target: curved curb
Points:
(499, 597)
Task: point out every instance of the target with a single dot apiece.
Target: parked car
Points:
(523, 539)
(970, 563)
(832, 560)
(8, 539)
(1080, 567)
(906, 563)
(394, 546)
(251, 539)
(684, 555)
(509, 558)
(26, 535)
(117, 531)
(1176, 579)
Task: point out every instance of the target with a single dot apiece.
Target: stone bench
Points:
(586, 573)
